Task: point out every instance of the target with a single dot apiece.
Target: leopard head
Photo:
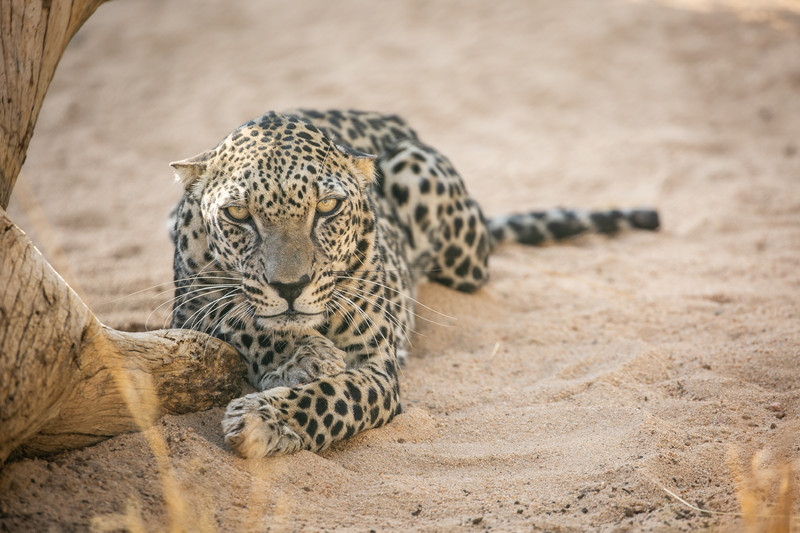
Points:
(285, 212)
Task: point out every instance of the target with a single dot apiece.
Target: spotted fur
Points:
(319, 302)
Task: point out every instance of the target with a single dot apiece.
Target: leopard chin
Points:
(290, 320)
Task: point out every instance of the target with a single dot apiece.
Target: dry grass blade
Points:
(765, 496)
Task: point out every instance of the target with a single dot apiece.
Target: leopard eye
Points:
(328, 206)
(237, 212)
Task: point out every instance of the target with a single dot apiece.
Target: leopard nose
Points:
(290, 291)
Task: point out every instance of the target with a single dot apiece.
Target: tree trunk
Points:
(65, 379)
(33, 36)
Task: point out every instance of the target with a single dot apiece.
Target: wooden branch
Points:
(67, 381)
(33, 36)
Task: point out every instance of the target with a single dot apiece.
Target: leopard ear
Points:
(188, 171)
(364, 163)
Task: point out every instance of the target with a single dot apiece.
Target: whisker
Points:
(336, 294)
(358, 309)
(417, 302)
(213, 325)
(166, 283)
(204, 290)
(324, 159)
(239, 314)
(364, 295)
(194, 323)
(347, 316)
(199, 317)
(367, 318)
(174, 299)
(394, 321)
(404, 328)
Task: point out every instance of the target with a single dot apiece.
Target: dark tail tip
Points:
(644, 219)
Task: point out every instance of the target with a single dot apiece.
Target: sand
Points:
(585, 381)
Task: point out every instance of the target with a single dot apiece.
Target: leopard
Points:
(301, 240)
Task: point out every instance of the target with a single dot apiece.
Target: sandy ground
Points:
(585, 381)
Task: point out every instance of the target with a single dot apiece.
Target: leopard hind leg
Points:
(448, 241)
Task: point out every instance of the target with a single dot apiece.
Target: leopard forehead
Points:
(279, 164)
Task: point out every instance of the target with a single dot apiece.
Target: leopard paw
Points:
(317, 359)
(254, 429)
(314, 358)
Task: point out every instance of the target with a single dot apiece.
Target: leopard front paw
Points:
(253, 428)
(316, 357)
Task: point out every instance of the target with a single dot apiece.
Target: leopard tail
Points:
(538, 228)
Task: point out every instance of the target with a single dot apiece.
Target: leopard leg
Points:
(330, 408)
(314, 415)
